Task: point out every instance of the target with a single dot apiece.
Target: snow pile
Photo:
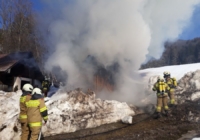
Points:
(127, 119)
(77, 110)
(9, 112)
(189, 87)
(190, 82)
(68, 112)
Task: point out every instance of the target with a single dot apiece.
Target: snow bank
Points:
(189, 87)
(78, 111)
(68, 112)
(9, 112)
(190, 82)
(177, 71)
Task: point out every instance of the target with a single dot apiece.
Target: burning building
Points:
(104, 77)
(19, 68)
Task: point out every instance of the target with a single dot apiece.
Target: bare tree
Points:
(6, 18)
(18, 24)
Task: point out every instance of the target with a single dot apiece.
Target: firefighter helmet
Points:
(36, 91)
(162, 79)
(166, 74)
(159, 77)
(27, 87)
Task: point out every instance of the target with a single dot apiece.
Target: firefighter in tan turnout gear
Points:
(172, 84)
(36, 111)
(162, 98)
(25, 97)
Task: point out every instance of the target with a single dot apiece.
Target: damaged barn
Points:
(104, 76)
(18, 68)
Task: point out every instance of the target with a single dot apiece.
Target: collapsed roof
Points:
(20, 64)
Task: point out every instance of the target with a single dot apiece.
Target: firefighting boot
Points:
(167, 113)
(158, 115)
(171, 105)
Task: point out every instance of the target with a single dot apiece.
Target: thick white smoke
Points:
(166, 20)
(120, 31)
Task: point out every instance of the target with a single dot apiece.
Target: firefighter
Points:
(161, 88)
(172, 84)
(45, 86)
(25, 97)
(36, 111)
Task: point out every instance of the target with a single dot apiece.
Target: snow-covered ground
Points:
(75, 110)
(177, 71)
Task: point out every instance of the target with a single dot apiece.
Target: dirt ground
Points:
(144, 127)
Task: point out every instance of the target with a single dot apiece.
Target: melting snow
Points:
(68, 112)
(9, 112)
(79, 111)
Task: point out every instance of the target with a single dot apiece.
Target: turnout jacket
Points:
(36, 110)
(172, 83)
(25, 97)
(45, 85)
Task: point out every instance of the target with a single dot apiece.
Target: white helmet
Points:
(166, 73)
(36, 91)
(160, 78)
(27, 87)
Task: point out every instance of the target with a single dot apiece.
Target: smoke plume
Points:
(166, 19)
(122, 31)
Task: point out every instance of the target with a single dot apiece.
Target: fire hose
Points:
(40, 134)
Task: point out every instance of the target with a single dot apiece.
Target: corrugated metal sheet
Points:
(4, 66)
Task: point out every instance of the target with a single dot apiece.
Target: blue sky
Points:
(37, 5)
(193, 30)
(190, 32)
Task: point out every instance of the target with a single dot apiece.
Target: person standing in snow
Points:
(161, 88)
(25, 97)
(36, 111)
(172, 84)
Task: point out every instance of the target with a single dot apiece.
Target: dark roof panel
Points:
(6, 65)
